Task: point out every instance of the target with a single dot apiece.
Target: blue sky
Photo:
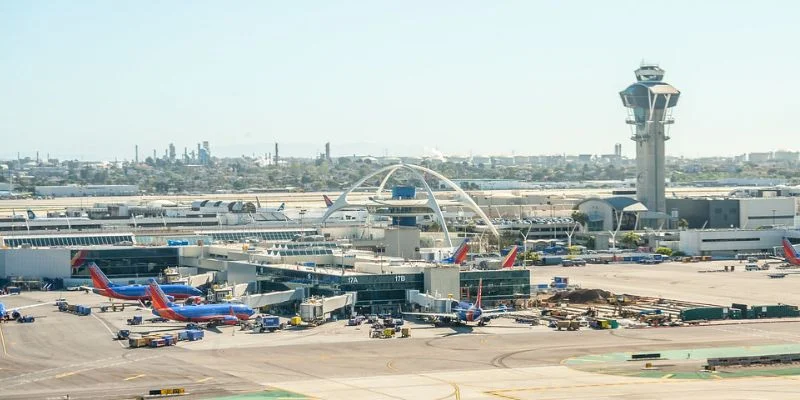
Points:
(91, 79)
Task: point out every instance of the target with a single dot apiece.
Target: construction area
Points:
(620, 330)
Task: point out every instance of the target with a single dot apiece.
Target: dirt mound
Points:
(581, 296)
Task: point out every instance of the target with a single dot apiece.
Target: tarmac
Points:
(64, 354)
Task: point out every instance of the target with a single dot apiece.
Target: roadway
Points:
(314, 199)
(64, 354)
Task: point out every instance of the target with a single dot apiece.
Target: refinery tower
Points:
(649, 102)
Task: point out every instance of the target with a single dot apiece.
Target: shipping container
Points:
(709, 313)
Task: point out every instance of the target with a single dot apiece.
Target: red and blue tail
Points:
(460, 255)
(328, 202)
(157, 296)
(790, 253)
(510, 258)
(99, 279)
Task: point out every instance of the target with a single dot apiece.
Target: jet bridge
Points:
(429, 303)
(266, 299)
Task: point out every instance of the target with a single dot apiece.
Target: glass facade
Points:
(304, 245)
(388, 291)
(498, 286)
(310, 251)
(263, 235)
(61, 240)
(134, 262)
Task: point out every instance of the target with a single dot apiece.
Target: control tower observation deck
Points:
(649, 102)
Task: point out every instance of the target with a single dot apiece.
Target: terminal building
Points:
(87, 190)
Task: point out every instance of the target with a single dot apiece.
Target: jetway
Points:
(200, 280)
(317, 310)
(266, 299)
(429, 303)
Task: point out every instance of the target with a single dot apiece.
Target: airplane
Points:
(459, 255)
(104, 287)
(465, 312)
(226, 314)
(267, 209)
(32, 216)
(4, 310)
(505, 262)
(328, 201)
(510, 258)
(790, 253)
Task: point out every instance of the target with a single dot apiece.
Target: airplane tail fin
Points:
(157, 296)
(282, 207)
(460, 254)
(328, 201)
(99, 279)
(480, 290)
(31, 214)
(258, 202)
(790, 253)
(511, 257)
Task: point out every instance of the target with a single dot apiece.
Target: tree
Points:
(629, 239)
(580, 217)
(683, 223)
(666, 251)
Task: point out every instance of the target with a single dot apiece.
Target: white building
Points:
(729, 242)
(88, 190)
(774, 211)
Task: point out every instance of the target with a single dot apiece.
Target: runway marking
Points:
(64, 375)
(456, 391)
(130, 378)
(667, 376)
(109, 330)
(204, 380)
(391, 366)
(3, 340)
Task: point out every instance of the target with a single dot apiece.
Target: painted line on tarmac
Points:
(667, 376)
(204, 380)
(391, 366)
(3, 340)
(64, 375)
(109, 330)
(130, 378)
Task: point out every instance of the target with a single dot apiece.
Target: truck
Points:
(267, 323)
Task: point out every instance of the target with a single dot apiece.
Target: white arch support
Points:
(342, 202)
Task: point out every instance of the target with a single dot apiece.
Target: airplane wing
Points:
(432, 314)
(494, 311)
(24, 307)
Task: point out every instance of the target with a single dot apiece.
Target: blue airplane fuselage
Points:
(139, 292)
(206, 312)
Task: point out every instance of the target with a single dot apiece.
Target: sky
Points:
(91, 79)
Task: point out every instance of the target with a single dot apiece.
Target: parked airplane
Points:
(227, 314)
(32, 216)
(493, 261)
(459, 255)
(510, 258)
(267, 209)
(465, 312)
(104, 287)
(790, 253)
(4, 310)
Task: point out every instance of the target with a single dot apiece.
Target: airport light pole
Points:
(525, 239)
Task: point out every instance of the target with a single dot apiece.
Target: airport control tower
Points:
(649, 102)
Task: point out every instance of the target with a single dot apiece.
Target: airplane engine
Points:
(230, 320)
(171, 299)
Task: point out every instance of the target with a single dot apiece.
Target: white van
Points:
(751, 267)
